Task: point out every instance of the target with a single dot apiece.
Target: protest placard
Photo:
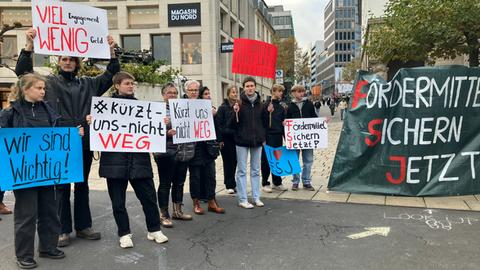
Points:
(70, 29)
(32, 157)
(306, 133)
(192, 120)
(253, 57)
(282, 161)
(127, 125)
(416, 135)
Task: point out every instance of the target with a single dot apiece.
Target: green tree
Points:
(286, 55)
(424, 30)
(350, 70)
(302, 64)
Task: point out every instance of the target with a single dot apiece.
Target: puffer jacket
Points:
(124, 165)
(222, 118)
(249, 129)
(14, 116)
(308, 110)
(69, 95)
(275, 124)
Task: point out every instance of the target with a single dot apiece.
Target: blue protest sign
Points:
(31, 157)
(282, 161)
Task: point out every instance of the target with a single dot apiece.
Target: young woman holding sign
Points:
(36, 205)
(121, 168)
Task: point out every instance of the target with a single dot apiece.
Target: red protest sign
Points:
(253, 57)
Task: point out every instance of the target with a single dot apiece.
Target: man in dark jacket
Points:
(302, 107)
(71, 97)
(248, 121)
(274, 136)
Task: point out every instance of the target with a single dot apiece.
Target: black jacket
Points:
(70, 95)
(205, 152)
(222, 118)
(124, 165)
(308, 110)
(16, 115)
(250, 129)
(275, 125)
(171, 149)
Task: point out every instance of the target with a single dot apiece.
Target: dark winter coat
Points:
(275, 126)
(124, 165)
(205, 152)
(20, 114)
(250, 129)
(224, 114)
(171, 148)
(69, 95)
(308, 110)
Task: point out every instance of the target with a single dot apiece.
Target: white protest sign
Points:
(70, 29)
(306, 133)
(127, 125)
(192, 120)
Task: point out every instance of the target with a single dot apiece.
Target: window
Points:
(11, 15)
(131, 43)
(8, 50)
(191, 48)
(143, 17)
(39, 60)
(161, 45)
(112, 18)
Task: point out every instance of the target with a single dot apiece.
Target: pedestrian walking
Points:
(274, 136)
(121, 168)
(302, 107)
(35, 207)
(248, 121)
(71, 97)
(226, 138)
(342, 106)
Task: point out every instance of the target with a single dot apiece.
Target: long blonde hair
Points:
(24, 82)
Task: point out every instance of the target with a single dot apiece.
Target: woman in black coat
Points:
(134, 168)
(36, 204)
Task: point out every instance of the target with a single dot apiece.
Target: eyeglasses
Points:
(192, 90)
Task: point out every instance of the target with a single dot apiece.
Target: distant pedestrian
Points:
(301, 107)
(342, 106)
(226, 138)
(248, 121)
(332, 107)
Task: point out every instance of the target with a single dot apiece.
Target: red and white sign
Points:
(126, 125)
(192, 120)
(306, 133)
(255, 58)
(70, 29)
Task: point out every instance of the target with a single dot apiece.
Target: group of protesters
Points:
(243, 123)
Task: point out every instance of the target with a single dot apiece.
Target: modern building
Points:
(190, 45)
(315, 57)
(342, 38)
(282, 21)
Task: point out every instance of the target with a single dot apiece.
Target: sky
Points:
(307, 18)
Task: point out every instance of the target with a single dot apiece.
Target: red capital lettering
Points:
(109, 140)
(127, 144)
(403, 171)
(374, 132)
(358, 93)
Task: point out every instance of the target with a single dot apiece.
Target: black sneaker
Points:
(27, 263)
(89, 234)
(52, 254)
(309, 187)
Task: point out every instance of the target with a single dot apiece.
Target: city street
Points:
(285, 234)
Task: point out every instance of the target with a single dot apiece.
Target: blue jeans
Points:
(307, 159)
(241, 177)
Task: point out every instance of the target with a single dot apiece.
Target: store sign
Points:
(226, 47)
(184, 14)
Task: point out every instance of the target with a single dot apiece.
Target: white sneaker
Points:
(158, 236)
(126, 241)
(230, 191)
(259, 203)
(267, 189)
(280, 187)
(246, 205)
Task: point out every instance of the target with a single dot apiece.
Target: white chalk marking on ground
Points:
(383, 231)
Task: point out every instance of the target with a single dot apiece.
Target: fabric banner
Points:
(127, 125)
(282, 161)
(70, 29)
(32, 157)
(306, 133)
(418, 135)
(192, 119)
(254, 58)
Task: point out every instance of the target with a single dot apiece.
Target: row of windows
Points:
(343, 57)
(344, 35)
(191, 48)
(282, 20)
(344, 46)
(284, 33)
(344, 25)
(138, 17)
(346, 3)
(345, 13)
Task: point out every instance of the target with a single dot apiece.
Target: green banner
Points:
(417, 135)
